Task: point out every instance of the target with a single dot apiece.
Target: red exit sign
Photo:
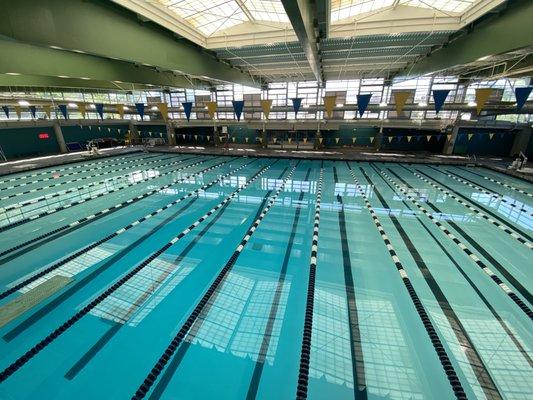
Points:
(43, 135)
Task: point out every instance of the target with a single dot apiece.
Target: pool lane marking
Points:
(422, 313)
(120, 231)
(109, 210)
(107, 160)
(499, 183)
(89, 198)
(475, 210)
(305, 352)
(86, 358)
(185, 328)
(21, 361)
(36, 200)
(178, 357)
(253, 385)
(356, 350)
(525, 308)
(82, 178)
(482, 374)
(483, 189)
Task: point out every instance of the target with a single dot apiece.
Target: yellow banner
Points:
(329, 103)
(354, 139)
(48, 110)
(163, 109)
(82, 108)
(195, 137)
(400, 98)
(491, 135)
(305, 140)
(482, 95)
(246, 139)
(372, 139)
(470, 135)
(274, 140)
(337, 140)
(18, 110)
(120, 110)
(233, 138)
(211, 108)
(409, 139)
(428, 137)
(390, 138)
(320, 140)
(266, 105)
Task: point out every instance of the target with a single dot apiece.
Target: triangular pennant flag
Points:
(449, 137)
(120, 110)
(439, 96)
(183, 136)
(90, 127)
(354, 139)
(109, 130)
(409, 139)
(372, 139)
(208, 138)
(337, 140)
(362, 103)
(428, 137)
(163, 109)
(491, 135)
(266, 105)
(33, 111)
(470, 135)
(274, 140)
(48, 110)
(211, 108)
(233, 139)
(238, 105)
(390, 138)
(187, 108)
(246, 140)
(305, 140)
(99, 129)
(63, 109)
(482, 95)
(289, 140)
(195, 137)
(260, 140)
(296, 103)
(6, 111)
(418, 137)
(82, 108)
(439, 137)
(140, 110)
(521, 95)
(400, 98)
(100, 110)
(18, 111)
(329, 103)
(320, 140)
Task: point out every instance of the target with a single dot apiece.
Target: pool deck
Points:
(498, 164)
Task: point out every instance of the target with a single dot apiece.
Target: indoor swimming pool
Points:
(185, 276)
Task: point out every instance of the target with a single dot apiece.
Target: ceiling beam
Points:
(302, 15)
(509, 30)
(107, 30)
(323, 15)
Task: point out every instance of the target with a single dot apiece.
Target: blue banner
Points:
(100, 110)
(296, 103)
(238, 105)
(521, 96)
(140, 109)
(6, 111)
(362, 103)
(187, 108)
(33, 111)
(439, 96)
(63, 109)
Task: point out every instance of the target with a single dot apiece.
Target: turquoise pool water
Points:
(168, 276)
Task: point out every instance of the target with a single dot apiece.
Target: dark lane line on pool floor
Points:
(253, 385)
(524, 307)
(444, 359)
(475, 361)
(62, 230)
(305, 353)
(206, 298)
(506, 185)
(108, 336)
(28, 355)
(474, 287)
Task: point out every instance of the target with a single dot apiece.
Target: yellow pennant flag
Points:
(354, 139)
(390, 138)
(337, 140)
(183, 136)
(470, 135)
(482, 95)
(491, 135)
(400, 98)
(428, 137)
(449, 137)
(409, 139)
(233, 139)
(120, 110)
(372, 139)
(163, 109)
(266, 105)
(48, 110)
(260, 140)
(18, 110)
(305, 140)
(274, 140)
(195, 137)
(82, 108)
(211, 108)
(289, 140)
(320, 140)
(329, 103)
(246, 140)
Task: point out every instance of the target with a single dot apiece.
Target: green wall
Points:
(84, 133)
(25, 142)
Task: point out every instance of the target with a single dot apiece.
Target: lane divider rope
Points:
(426, 321)
(501, 183)
(185, 328)
(465, 249)
(305, 354)
(21, 361)
(120, 231)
